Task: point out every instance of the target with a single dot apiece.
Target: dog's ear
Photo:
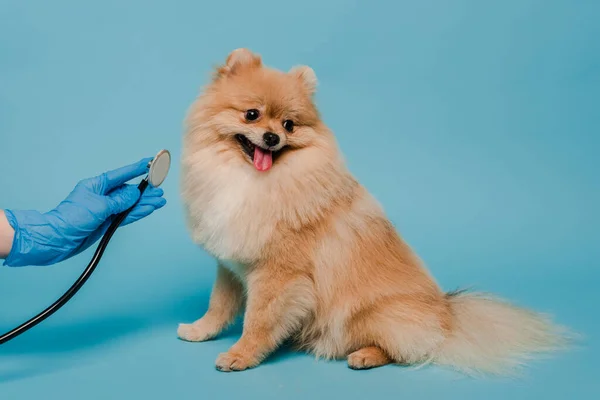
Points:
(237, 60)
(307, 76)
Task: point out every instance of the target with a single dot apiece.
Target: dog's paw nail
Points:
(357, 362)
(228, 362)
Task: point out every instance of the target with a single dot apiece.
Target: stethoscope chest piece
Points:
(159, 168)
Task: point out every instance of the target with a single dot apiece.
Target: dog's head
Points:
(260, 117)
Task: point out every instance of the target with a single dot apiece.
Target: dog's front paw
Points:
(368, 357)
(233, 361)
(195, 332)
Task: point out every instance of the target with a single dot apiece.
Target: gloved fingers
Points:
(153, 192)
(152, 196)
(156, 202)
(151, 200)
(149, 192)
(121, 199)
(117, 177)
(143, 210)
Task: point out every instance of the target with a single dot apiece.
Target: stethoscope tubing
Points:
(85, 275)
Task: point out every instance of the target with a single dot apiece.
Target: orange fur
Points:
(311, 253)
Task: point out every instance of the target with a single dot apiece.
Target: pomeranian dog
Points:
(308, 254)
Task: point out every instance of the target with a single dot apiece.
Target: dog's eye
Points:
(288, 125)
(252, 115)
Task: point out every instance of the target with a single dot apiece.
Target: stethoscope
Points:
(157, 173)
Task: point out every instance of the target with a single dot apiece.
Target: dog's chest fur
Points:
(230, 212)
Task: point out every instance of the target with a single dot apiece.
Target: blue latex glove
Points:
(81, 219)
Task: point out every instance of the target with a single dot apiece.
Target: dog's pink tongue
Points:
(263, 159)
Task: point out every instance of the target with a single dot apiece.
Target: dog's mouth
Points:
(261, 158)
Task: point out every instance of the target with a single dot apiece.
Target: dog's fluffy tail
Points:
(491, 336)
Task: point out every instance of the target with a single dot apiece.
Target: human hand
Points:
(82, 218)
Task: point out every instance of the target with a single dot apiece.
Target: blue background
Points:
(476, 124)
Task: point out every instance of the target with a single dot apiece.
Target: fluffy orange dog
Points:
(309, 253)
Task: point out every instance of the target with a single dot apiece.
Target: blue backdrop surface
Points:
(475, 124)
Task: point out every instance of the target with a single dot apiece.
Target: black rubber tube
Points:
(80, 281)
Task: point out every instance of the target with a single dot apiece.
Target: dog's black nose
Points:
(271, 139)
